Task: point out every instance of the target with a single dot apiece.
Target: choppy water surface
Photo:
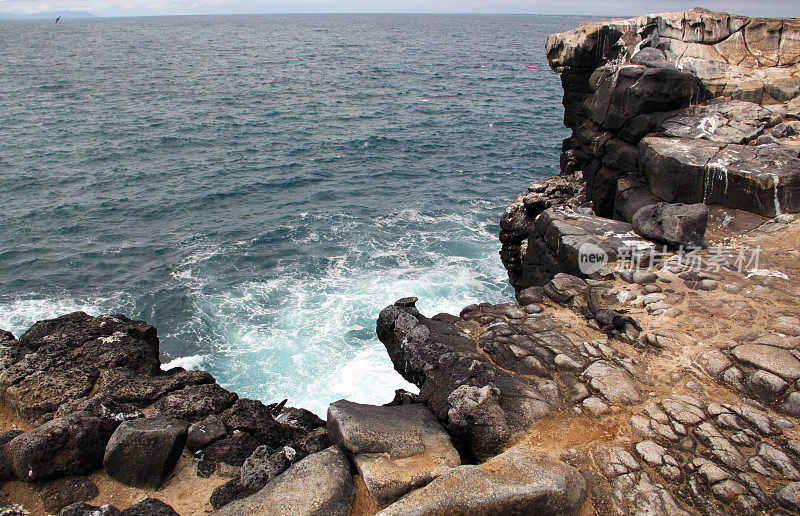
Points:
(259, 187)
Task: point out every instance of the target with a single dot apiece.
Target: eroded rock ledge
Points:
(693, 107)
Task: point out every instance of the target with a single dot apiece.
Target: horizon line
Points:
(417, 13)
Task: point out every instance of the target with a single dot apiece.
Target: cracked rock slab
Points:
(614, 383)
(395, 449)
(775, 360)
(320, 484)
(518, 481)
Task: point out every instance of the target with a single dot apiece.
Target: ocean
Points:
(260, 187)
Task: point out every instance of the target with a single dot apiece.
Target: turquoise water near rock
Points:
(260, 187)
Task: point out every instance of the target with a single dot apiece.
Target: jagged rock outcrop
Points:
(688, 107)
(494, 370)
(95, 392)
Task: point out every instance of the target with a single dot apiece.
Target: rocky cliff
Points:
(693, 107)
(652, 384)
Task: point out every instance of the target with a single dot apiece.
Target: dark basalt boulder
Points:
(128, 386)
(232, 450)
(149, 507)
(205, 432)
(6, 471)
(263, 465)
(194, 402)
(143, 452)
(72, 330)
(104, 341)
(254, 417)
(41, 381)
(70, 445)
(59, 360)
(101, 406)
(57, 494)
(677, 225)
(313, 442)
(249, 416)
(228, 492)
(299, 418)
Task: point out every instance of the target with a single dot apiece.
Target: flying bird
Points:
(58, 19)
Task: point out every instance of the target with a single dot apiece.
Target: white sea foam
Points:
(310, 336)
(189, 363)
(20, 314)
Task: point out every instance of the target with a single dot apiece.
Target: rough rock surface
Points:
(320, 484)
(72, 445)
(85, 509)
(78, 378)
(517, 481)
(6, 470)
(395, 449)
(57, 494)
(555, 241)
(195, 402)
(205, 432)
(124, 385)
(149, 507)
(266, 463)
(143, 452)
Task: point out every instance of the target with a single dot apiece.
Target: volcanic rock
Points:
(143, 452)
(70, 445)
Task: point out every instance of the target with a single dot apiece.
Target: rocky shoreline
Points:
(650, 384)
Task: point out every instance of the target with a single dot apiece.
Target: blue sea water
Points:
(260, 187)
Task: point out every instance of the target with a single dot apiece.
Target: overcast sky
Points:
(578, 7)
